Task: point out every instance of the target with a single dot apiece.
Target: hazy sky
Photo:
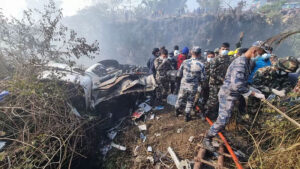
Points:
(15, 7)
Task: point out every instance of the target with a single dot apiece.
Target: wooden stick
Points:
(200, 156)
(280, 112)
(221, 157)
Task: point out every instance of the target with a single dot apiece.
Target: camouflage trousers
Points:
(212, 104)
(226, 106)
(186, 97)
(162, 89)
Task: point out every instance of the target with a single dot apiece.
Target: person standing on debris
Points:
(234, 86)
(192, 72)
(217, 71)
(150, 63)
(162, 65)
(275, 79)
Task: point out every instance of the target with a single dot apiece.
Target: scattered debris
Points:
(112, 134)
(145, 107)
(143, 137)
(157, 134)
(179, 130)
(137, 115)
(118, 146)
(143, 127)
(152, 116)
(185, 164)
(3, 94)
(2, 144)
(104, 150)
(159, 108)
(171, 99)
(135, 151)
(191, 139)
(151, 159)
(149, 149)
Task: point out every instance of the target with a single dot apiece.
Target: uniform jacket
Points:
(192, 72)
(218, 68)
(162, 66)
(236, 79)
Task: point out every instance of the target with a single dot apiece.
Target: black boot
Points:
(177, 112)
(187, 117)
(207, 143)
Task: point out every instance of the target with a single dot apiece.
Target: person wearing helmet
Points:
(235, 85)
(275, 79)
(192, 73)
(150, 63)
(217, 71)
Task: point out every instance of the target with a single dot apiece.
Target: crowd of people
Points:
(219, 80)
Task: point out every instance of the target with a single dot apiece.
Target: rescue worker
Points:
(174, 65)
(162, 65)
(275, 79)
(192, 72)
(150, 63)
(217, 71)
(204, 94)
(235, 85)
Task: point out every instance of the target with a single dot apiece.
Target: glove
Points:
(259, 96)
(280, 93)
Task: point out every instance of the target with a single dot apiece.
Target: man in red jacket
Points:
(183, 56)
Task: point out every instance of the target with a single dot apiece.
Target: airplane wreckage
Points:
(103, 81)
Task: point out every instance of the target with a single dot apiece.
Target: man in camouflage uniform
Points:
(275, 79)
(217, 71)
(193, 73)
(235, 85)
(162, 65)
(204, 93)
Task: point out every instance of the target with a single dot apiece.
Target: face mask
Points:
(224, 52)
(210, 59)
(256, 57)
(266, 56)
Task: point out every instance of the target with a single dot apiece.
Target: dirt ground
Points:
(164, 131)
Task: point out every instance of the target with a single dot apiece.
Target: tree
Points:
(40, 37)
(166, 6)
(210, 6)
